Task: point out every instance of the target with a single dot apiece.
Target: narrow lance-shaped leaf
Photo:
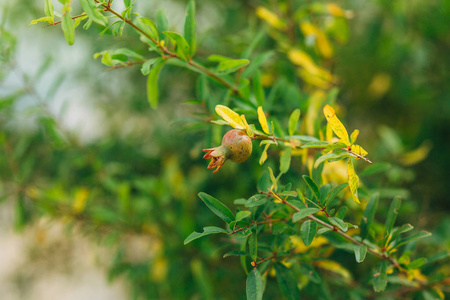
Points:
(262, 120)
(230, 116)
(93, 13)
(335, 124)
(312, 186)
(285, 160)
(190, 26)
(232, 65)
(353, 181)
(413, 237)
(67, 24)
(254, 285)
(183, 48)
(354, 136)
(380, 277)
(334, 156)
(360, 252)
(304, 213)
(392, 214)
(162, 23)
(334, 193)
(293, 120)
(48, 9)
(217, 207)
(206, 231)
(258, 90)
(264, 154)
(253, 246)
(152, 83)
(287, 282)
(368, 216)
(308, 231)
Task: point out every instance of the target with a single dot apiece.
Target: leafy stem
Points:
(171, 54)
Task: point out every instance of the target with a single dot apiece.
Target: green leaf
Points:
(190, 26)
(380, 277)
(360, 252)
(416, 264)
(127, 3)
(181, 43)
(293, 120)
(256, 200)
(375, 169)
(413, 237)
(152, 83)
(308, 231)
(312, 186)
(392, 214)
(253, 246)
(315, 144)
(339, 223)
(145, 69)
(304, 213)
(334, 193)
(285, 160)
(67, 24)
(162, 23)
(258, 89)
(333, 156)
(107, 59)
(206, 231)
(43, 19)
(368, 216)
(341, 212)
(217, 207)
(91, 10)
(49, 10)
(236, 253)
(254, 285)
(232, 65)
(287, 282)
(147, 26)
(242, 215)
(334, 146)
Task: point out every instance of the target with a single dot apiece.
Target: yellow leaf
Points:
(322, 42)
(354, 136)
(230, 116)
(380, 85)
(336, 125)
(329, 132)
(300, 246)
(262, 120)
(79, 203)
(334, 267)
(353, 181)
(270, 17)
(273, 179)
(358, 150)
(248, 130)
(417, 155)
(302, 59)
(264, 154)
(335, 10)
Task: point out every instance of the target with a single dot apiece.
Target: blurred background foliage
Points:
(81, 147)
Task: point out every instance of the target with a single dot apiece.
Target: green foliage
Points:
(292, 221)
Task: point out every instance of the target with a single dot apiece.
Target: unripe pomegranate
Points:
(236, 146)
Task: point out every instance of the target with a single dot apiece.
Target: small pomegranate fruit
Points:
(236, 146)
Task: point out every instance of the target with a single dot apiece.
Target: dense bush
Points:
(309, 215)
